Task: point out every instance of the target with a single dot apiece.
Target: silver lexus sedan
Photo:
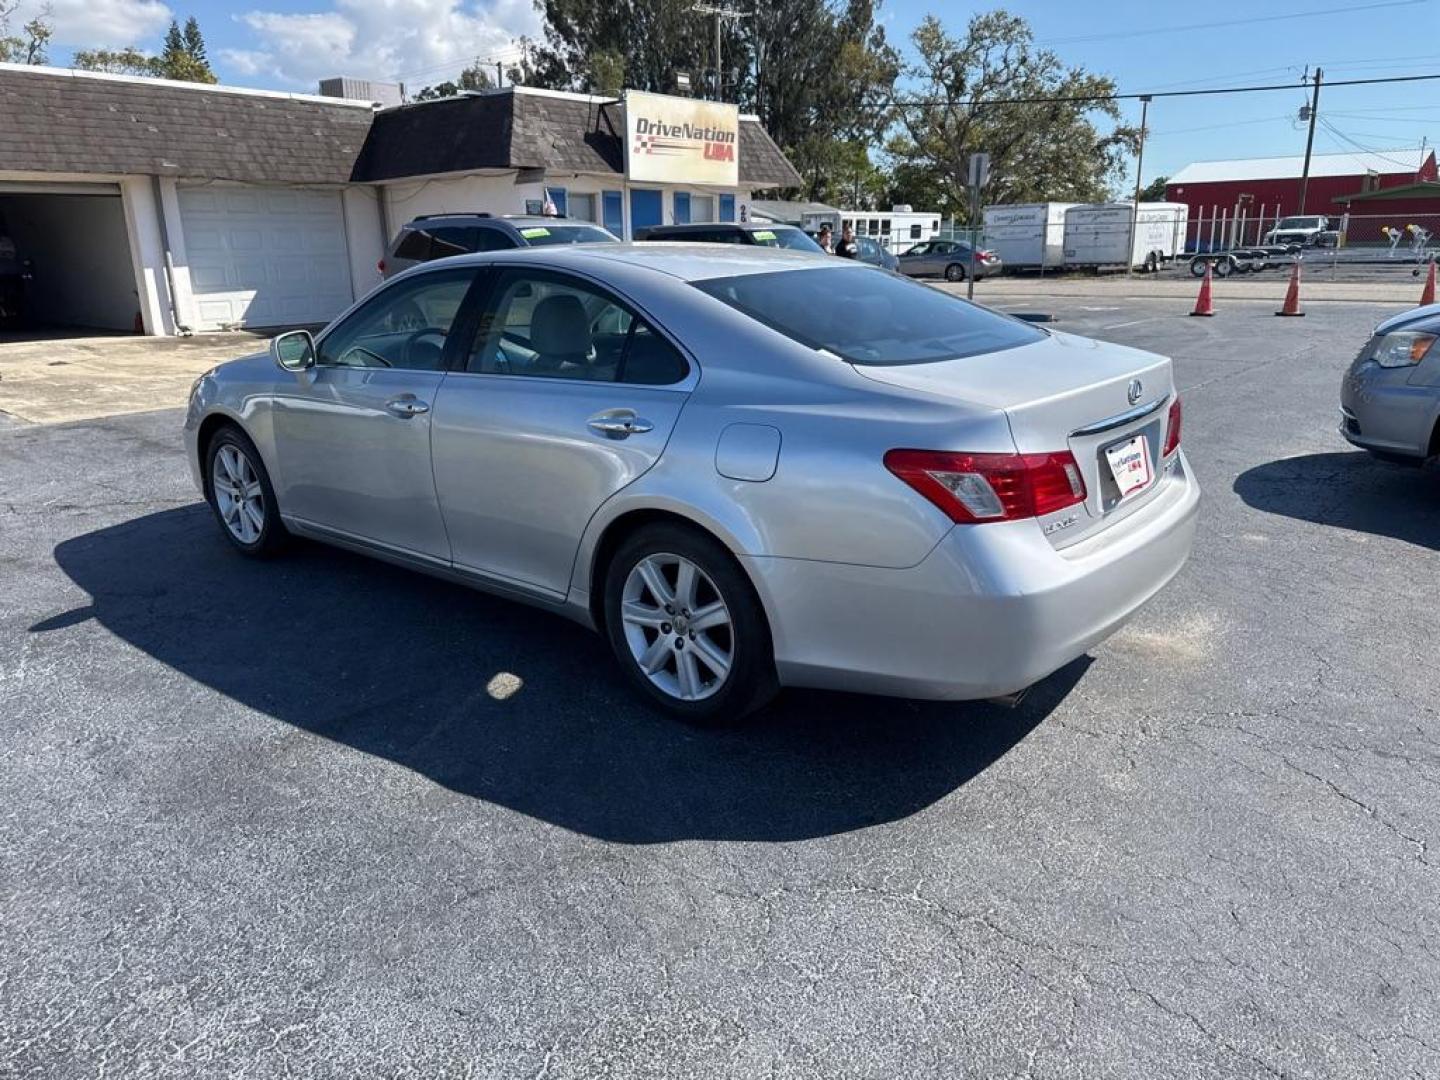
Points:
(746, 468)
(1390, 396)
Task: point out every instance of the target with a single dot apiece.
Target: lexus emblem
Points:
(1134, 391)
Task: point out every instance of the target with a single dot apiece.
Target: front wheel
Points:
(240, 494)
(687, 627)
(954, 272)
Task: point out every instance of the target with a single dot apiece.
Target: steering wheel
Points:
(408, 349)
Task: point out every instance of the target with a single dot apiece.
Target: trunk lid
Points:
(1063, 393)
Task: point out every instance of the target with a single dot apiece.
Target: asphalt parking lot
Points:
(325, 818)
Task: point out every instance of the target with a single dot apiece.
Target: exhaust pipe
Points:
(1009, 701)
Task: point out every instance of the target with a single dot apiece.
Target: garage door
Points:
(264, 256)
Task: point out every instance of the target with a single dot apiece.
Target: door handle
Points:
(406, 407)
(619, 424)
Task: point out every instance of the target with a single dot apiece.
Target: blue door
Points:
(682, 208)
(645, 210)
(613, 204)
(727, 207)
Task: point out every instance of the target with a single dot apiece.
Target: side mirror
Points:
(293, 350)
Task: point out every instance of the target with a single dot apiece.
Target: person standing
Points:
(826, 239)
(847, 248)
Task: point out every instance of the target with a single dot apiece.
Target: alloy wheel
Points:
(238, 494)
(677, 626)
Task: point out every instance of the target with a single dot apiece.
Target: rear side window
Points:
(544, 235)
(439, 242)
(784, 237)
(869, 318)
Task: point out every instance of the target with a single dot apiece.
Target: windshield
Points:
(1298, 223)
(541, 235)
(785, 237)
(869, 318)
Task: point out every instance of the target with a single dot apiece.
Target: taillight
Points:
(1172, 429)
(991, 487)
(380, 266)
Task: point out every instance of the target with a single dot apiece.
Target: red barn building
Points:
(1270, 187)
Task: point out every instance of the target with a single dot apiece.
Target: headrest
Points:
(558, 325)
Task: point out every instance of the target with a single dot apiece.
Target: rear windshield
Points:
(785, 238)
(867, 317)
(540, 235)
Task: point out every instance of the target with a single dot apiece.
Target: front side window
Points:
(546, 324)
(920, 249)
(403, 326)
(868, 318)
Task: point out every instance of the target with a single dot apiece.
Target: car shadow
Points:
(1349, 490)
(515, 706)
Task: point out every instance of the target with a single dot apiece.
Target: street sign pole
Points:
(979, 175)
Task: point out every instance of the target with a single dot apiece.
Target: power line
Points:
(1081, 99)
(1118, 35)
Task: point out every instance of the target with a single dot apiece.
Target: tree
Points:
(194, 41)
(818, 72)
(825, 78)
(183, 56)
(126, 61)
(994, 91)
(31, 44)
(1155, 190)
(473, 77)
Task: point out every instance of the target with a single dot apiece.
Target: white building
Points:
(166, 205)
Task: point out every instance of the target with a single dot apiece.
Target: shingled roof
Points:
(521, 129)
(58, 121)
(52, 120)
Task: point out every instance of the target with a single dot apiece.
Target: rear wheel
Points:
(1223, 267)
(687, 627)
(954, 272)
(240, 494)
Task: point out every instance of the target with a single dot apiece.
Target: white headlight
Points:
(1403, 348)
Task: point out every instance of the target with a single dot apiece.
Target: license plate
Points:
(1130, 464)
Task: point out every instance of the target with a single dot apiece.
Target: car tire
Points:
(954, 272)
(647, 604)
(240, 495)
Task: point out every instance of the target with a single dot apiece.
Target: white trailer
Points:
(898, 229)
(1027, 234)
(1098, 235)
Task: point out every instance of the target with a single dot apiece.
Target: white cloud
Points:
(89, 24)
(413, 41)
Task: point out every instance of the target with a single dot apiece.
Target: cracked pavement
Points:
(325, 818)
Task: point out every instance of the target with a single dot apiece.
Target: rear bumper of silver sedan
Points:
(991, 610)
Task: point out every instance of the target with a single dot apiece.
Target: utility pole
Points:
(499, 73)
(1134, 206)
(1314, 110)
(720, 13)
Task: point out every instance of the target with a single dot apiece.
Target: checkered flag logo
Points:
(643, 143)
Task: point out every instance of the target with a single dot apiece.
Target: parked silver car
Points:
(949, 259)
(1390, 396)
(747, 468)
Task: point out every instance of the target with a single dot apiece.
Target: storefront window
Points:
(702, 208)
(582, 207)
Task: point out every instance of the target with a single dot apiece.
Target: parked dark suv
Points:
(729, 232)
(435, 236)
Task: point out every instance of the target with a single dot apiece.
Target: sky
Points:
(1143, 46)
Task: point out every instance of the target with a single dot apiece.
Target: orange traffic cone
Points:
(1203, 306)
(1292, 294)
(1427, 296)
